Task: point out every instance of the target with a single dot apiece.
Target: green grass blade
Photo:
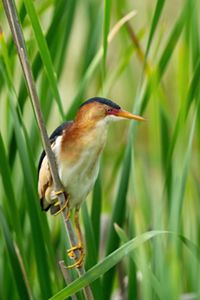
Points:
(132, 288)
(31, 200)
(33, 209)
(57, 48)
(175, 35)
(44, 52)
(91, 258)
(179, 187)
(89, 236)
(69, 7)
(88, 75)
(183, 114)
(156, 18)
(165, 57)
(107, 14)
(193, 88)
(118, 215)
(96, 211)
(10, 200)
(93, 39)
(56, 45)
(32, 170)
(18, 274)
(105, 265)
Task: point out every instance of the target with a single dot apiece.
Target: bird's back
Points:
(57, 132)
(45, 179)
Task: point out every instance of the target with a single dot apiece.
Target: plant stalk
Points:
(16, 30)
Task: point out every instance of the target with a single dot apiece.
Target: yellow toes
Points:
(71, 253)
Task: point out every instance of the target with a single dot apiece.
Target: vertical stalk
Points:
(16, 30)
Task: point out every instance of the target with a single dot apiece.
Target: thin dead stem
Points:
(11, 14)
(139, 51)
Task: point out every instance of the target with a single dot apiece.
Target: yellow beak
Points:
(127, 115)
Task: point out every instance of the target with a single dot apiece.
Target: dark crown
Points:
(103, 101)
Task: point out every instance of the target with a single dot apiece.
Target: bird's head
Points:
(103, 110)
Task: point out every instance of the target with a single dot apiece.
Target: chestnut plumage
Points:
(77, 146)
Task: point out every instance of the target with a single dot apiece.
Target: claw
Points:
(71, 253)
(78, 263)
(62, 208)
(66, 204)
(59, 192)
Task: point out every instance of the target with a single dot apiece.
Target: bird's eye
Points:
(109, 110)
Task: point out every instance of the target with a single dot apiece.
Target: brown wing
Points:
(45, 182)
(45, 185)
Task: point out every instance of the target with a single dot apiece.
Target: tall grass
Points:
(149, 180)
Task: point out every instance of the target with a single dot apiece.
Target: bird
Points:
(77, 146)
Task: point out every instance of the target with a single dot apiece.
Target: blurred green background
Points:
(144, 55)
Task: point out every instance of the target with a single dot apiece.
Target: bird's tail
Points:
(45, 205)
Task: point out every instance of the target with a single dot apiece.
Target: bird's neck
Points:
(88, 134)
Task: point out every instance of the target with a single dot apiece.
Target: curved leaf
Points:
(105, 265)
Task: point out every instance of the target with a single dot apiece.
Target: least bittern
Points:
(77, 146)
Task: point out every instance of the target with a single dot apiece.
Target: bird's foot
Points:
(65, 205)
(71, 253)
(54, 195)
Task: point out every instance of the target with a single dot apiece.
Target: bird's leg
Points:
(79, 246)
(65, 205)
